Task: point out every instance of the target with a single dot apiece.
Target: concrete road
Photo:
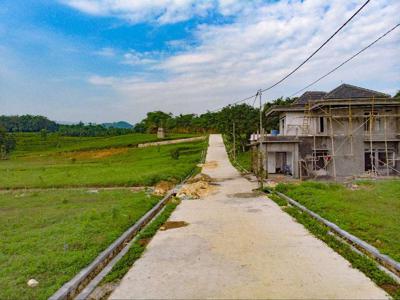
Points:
(240, 245)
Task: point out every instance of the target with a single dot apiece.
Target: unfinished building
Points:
(349, 131)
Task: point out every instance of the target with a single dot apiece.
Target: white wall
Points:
(294, 124)
(271, 162)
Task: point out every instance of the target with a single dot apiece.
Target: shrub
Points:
(174, 154)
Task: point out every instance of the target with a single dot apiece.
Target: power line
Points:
(305, 61)
(320, 47)
(346, 61)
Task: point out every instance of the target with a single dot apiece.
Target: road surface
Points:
(238, 244)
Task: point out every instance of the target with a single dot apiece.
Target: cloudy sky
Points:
(109, 60)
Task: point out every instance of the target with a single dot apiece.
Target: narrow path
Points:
(240, 245)
(170, 142)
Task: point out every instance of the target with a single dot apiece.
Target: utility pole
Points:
(263, 153)
(234, 141)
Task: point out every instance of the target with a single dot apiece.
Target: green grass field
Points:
(32, 142)
(371, 213)
(244, 159)
(113, 166)
(51, 235)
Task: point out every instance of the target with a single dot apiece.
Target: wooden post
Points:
(351, 129)
(386, 146)
(332, 143)
(234, 142)
(371, 119)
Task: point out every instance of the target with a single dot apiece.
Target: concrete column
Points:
(296, 167)
(264, 159)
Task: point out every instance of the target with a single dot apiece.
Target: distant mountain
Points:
(120, 124)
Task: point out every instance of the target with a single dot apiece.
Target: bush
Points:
(174, 154)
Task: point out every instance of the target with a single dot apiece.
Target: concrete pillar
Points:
(296, 166)
(160, 133)
(264, 158)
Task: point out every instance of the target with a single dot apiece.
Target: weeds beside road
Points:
(371, 212)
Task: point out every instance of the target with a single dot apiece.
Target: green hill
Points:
(120, 124)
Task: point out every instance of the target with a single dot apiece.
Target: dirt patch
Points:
(390, 288)
(209, 165)
(195, 190)
(144, 242)
(253, 210)
(200, 177)
(163, 187)
(245, 195)
(173, 225)
(103, 291)
(97, 154)
(196, 187)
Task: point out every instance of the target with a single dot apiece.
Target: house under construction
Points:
(349, 131)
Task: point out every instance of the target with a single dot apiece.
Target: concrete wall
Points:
(294, 124)
(349, 156)
(292, 156)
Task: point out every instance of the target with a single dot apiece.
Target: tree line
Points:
(244, 117)
(30, 123)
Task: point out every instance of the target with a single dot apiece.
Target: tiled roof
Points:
(309, 95)
(347, 91)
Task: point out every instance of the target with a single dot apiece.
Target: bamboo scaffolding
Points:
(370, 121)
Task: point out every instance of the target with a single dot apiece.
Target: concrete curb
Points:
(72, 288)
(363, 246)
(171, 142)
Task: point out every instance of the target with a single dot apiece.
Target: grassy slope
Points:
(243, 159)
(32, 142)
(131, 166)
(51, 235)
(371, 213)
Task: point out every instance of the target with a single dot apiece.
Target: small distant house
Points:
(348, 131)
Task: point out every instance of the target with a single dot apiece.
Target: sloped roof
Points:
(309, 95)
(348, 91)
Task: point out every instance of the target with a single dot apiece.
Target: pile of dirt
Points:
(196, 187)
(163, 187)
(209, 165)
(200, 177)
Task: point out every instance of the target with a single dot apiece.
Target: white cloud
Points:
(160, 11)
(262, 44)
(106, 52)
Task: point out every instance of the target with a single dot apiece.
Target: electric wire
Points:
(346, 61)
(304, 62)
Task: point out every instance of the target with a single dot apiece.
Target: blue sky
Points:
(108, 60)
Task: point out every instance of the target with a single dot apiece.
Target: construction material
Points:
(196, 188)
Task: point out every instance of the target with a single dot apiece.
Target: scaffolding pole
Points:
(332, 144)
